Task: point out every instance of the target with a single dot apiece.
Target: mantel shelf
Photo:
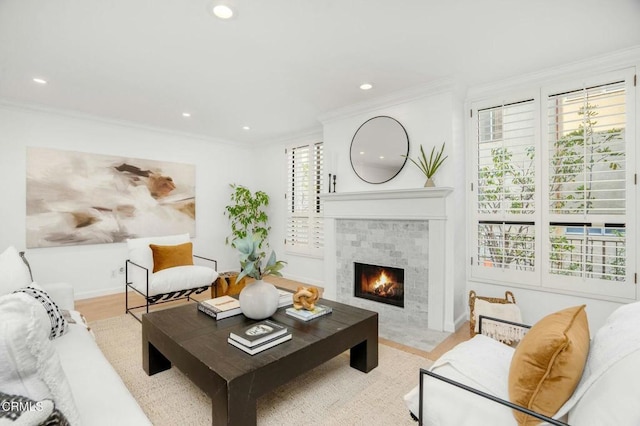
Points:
(390, 194)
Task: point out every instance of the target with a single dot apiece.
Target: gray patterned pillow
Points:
(58, 322)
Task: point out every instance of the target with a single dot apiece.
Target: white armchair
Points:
(470, 385)
(162, 269)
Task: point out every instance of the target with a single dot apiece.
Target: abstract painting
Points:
(80, 198)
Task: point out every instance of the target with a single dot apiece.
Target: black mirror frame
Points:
(405, 158)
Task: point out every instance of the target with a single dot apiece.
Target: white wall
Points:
(89, 267)
(427, 121)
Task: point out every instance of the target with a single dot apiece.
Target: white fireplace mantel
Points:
(406, 204)
(428, 204)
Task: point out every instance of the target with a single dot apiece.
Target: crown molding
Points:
(595, 65)
(399, 97)
(312, 133)
(10, 105)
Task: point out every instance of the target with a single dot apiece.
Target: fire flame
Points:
(384, 286)
(381, 281)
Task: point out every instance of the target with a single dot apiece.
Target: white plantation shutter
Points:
(587, 151)
(305, 183)
(587, 252)
(588, 186)
(505, 188)
(506, 147)
(553, 195)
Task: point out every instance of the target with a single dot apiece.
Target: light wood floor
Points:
(103, 307)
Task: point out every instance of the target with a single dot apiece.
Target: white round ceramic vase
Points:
(259, 300)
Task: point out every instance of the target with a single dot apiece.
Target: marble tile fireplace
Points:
(400, 233)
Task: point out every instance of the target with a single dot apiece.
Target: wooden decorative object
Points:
(305, 298)
(226, 284)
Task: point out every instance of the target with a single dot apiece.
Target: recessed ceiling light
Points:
(186, 114)
(366, 86)
(361, 152)
(382, 157)
(246, 128)
(223, 11)
(40, 80)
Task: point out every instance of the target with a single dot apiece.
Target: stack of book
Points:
(305, 315)
(220, 307)
(260, 336)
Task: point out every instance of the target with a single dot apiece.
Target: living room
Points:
(118, 84)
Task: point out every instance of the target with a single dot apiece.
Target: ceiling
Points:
(279, 64)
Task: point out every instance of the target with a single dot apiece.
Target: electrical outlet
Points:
(113, 273)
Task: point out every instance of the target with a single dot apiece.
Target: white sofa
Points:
(606, 393)
(68, 372)
(100, 395)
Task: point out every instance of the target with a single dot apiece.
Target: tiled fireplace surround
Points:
(396, 243)
(403, 229)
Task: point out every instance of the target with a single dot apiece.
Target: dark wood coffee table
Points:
(197, 345)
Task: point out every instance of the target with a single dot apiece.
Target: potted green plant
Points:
(431, 165)
(258, 299)
(246, 214)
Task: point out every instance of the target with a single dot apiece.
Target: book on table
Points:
(260, 332)
(220, 307)
(306, 315)
(286, 298)
(261, 347)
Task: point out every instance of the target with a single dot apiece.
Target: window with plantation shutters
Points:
(305, 223)
(553, 188)
(505, 188)
(588, 179)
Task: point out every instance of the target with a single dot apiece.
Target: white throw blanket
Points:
(617, 338)
(484, 361)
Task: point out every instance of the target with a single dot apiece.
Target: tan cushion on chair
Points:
(548, 363)
(165, 257)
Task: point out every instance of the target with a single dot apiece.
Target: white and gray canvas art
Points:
(80, 198)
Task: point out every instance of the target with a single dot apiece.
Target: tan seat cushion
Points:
(165, 257)
(548, 363)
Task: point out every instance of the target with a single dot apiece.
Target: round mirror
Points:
(377, 149)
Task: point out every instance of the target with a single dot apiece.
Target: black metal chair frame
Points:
(26, 262)
(157, 299)
(424, 372)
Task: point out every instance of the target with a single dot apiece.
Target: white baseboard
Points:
(305, 280)
(98, 293)
(452, 327)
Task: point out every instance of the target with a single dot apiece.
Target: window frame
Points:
(314, 216)
(541, 278)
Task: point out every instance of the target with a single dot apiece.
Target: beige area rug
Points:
(331, 394)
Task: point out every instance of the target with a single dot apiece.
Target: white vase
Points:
(259, 300)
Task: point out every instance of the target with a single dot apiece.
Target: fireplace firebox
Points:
(383, 284)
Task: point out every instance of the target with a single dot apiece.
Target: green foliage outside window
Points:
(507, 186)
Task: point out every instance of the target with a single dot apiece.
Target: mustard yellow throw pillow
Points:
(548, 363)
(170, 256)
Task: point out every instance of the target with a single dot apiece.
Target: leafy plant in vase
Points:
(258, 299)
(246, 213)
(431, 165)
